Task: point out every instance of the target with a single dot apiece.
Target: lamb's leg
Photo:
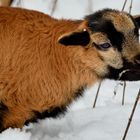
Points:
(3, 110)
(11, 117)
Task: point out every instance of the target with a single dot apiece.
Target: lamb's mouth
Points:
(129, 75)
(124, 74)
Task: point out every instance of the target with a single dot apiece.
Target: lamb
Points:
(46, 63)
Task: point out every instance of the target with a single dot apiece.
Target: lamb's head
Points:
(109, 39)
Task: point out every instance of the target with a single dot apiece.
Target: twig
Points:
(124, 5)
(130, 8)
(96, 97)
(131, 116)
(124, 87)
(20, 3)
(120, 75)
(116, 87)
(90, 4)
(53, 7)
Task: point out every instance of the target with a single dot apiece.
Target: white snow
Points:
(105, 122)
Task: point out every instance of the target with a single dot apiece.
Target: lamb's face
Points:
(113, 35)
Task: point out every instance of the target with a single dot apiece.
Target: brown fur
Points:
(37, 73)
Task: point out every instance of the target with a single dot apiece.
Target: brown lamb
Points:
(46, 63)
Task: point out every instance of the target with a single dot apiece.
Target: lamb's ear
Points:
(81, 38)
(137, 19)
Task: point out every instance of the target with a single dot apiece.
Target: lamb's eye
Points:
(104, 46)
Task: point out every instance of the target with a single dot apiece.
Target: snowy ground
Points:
(106, 122)
(109, 119)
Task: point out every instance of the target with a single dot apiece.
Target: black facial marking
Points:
(113, 73)
(55, 112)
(97, 15)
(133, 70)
(3, 110)
(116, 38)
(137, 20)
(129, 75)
(97, 23)
(132, 75)
(76, 38)
(130, 71)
